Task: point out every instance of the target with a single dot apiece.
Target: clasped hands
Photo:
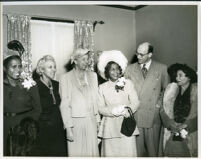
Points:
(120, 111)
(179, 129)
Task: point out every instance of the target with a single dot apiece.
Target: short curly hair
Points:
(41, 63)
(189, 72)
(172, 71)
(107, 69)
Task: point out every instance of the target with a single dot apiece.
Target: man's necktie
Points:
(144, 71)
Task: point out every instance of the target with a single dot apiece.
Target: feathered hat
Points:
(14, 48)
(10, 53)
(113, 55)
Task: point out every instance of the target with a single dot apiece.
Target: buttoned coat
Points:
(73, 102)
(149, 91)
(108, 99)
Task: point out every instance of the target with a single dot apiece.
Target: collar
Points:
(147, 65)
(81, 82)
(112, 82)
(18, 83)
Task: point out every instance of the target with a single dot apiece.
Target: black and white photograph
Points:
(99, 79)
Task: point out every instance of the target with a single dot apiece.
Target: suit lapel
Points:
(74, 80)
(139, 73)
(150, 71)
(137, 76)
(152, 75)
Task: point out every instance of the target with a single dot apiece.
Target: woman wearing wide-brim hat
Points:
(114, 95)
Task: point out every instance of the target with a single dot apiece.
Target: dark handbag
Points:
(129, 124)
(176, 148)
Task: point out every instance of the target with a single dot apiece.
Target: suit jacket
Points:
(108, 99)
(149, 91)
(73, 101)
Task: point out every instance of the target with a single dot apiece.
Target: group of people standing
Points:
(70, 117)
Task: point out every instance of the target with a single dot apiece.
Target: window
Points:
(52, 38)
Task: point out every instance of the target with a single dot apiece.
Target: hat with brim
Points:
(108, 56)
(10, 53)
(78, 53)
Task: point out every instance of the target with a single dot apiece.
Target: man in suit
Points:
(150, 79)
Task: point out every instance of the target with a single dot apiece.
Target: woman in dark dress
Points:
(179, 113)
(20, 101)
(52, 140)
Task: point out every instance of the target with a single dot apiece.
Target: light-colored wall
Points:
(172, 30)
(117, 32)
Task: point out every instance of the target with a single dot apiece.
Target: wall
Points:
(116, 33)
(172, 30)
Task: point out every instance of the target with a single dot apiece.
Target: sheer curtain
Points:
(52, 38)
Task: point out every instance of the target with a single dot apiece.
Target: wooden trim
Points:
(52, 19)
(125, 7)
(139, 7)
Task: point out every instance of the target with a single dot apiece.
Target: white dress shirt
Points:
(147, 65)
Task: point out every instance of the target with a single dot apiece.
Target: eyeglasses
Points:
(142, 55)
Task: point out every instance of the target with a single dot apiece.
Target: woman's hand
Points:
(177, 127)
(117, 111)
(174, 127)
(125, 113)
(69, 134)
(98, 126)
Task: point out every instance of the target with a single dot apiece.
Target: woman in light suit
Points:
(78, 91)
(114, 95)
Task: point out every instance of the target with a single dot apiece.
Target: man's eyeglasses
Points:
(142, 55)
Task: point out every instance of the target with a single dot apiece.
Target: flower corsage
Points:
(120, 83)
(28, 82)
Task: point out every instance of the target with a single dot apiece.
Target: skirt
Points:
(85, 142)
(119, 147)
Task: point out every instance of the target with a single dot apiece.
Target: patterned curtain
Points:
(18, 28)
(84, 38)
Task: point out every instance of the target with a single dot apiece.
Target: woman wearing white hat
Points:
(79, 91)
(114, 95)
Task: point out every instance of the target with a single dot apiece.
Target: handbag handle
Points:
(130, 111)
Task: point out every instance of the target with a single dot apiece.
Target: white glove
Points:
(117, 111)
(125, 113)
(183, 133)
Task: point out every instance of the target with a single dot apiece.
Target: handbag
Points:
(176, 148)
(129, 124)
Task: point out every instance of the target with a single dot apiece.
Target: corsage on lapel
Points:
(28, 82)
(120, 83)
